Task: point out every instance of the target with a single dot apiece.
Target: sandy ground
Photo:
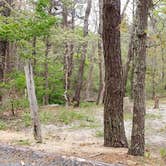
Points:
(82, 142)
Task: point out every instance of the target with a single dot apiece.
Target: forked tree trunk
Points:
(114, 132)
(77, 95)
(33, 102)
(138, 130)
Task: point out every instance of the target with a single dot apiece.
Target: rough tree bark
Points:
(114, 132)
(76, 98)
(139, 109)
(33, 102)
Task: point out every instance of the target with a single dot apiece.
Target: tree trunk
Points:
(46, 74)
(34, 52)
(76, 98)
(90, 75)
(114, 132)
(33, 102)
(139, 109)
(68, 56)
(130, 55)
(100, 57)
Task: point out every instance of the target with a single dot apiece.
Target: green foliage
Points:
(99, 133)
(68, 116)
(3, 125)
(46, 117)
(25, 142)
(163, 152)
(27, 120)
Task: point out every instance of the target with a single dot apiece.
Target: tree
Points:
(4, 43)
(139, 109)
(114, 132)
(100, 57)
(77, 94)
(130, 55)
(33, 102)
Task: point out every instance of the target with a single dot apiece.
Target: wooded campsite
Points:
(83, 82)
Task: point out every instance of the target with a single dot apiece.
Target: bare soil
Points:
(83, 141)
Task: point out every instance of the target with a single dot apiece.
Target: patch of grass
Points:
(3, 125)
(26, 117)
(150, 103)
(87, 104)
(153, 116)
(163, 152)
(46, 117)
(68, 116)
(23, 142)
(99, 133)
(85, 124)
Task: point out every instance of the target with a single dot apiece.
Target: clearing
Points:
(79, 133)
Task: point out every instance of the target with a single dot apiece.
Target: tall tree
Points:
(138, 129)
(76, 98)
(33, 102)
(114, 132)
(130, 55)
(69, 50)
(4, 43)
(100, 57)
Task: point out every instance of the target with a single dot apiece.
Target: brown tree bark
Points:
(114, 132)
(76, 98)
(138, 130)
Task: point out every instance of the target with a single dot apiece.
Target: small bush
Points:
(67, 116)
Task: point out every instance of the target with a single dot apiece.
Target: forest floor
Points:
(79, 133)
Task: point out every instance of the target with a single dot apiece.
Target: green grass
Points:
(153, 116)
(87, 104)
(46, 117)
(23, 142)
(68, 116)
(3, 125)
(26, 118)
(163, 152)
(99, 133)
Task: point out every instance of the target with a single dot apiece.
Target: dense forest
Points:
(62, 62)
